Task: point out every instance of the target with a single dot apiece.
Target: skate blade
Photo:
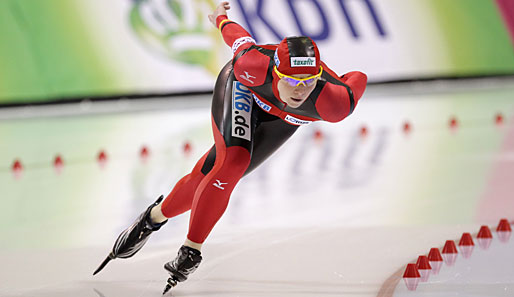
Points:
(169, 284)
(107, 260)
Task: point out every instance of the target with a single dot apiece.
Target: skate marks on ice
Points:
(358, 156)
(321, 149)
(269, 288)
(313, 178)
(351, 157)
(362, 159)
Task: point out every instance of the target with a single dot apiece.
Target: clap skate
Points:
(132, 239)
(186, 262)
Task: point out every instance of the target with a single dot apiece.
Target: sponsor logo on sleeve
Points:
(263, 105)
(241, 111)
(296, 121)
(303, 62)
(277, 60)
(248, 77)
(241, 41)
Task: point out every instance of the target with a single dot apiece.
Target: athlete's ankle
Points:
(156, 214)
(194, 245)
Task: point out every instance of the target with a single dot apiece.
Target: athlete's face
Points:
(294, 96)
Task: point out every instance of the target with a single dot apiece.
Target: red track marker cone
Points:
(449, 248)
(498, 119)
(411, 277)
(424, 268)
(102, 158)
(484, 232)
(504, 230)
(58, 164)
(423, 263)
(466, 240)
(318, 136)
(484, 237)
(363, 131)
(17, 169)
(504, 225)
(453, 123)
(435, 255)
(144, 153)
(407, 127)
(449, 252)
(466, 245)
(187, 148)
(435, 259)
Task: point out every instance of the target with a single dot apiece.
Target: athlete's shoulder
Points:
(251, 65)
(330, 76)
(336, 98)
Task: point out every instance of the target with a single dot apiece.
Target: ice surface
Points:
(336, 216)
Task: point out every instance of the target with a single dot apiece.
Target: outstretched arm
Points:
(234, 35)
(357, 82)
(340, 95)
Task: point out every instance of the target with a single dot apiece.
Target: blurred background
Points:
(104, 105)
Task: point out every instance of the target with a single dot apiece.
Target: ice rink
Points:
(339, 210)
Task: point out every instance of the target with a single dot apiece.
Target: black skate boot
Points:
(132, 239)
(187, 261)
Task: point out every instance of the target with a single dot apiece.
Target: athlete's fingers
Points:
(225, 5)
(221, 10)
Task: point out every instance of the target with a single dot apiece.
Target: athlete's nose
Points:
(299, 90)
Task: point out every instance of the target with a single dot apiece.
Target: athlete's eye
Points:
(291, 81)
(310, 82)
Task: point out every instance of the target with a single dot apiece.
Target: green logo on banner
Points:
(166, 28)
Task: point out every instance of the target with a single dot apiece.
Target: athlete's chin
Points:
(295, 102)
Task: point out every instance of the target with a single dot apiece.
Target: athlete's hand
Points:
(220, 10)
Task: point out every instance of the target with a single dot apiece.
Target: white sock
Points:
(192, 244)
(156, 214)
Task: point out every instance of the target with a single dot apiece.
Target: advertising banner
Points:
(61, 49)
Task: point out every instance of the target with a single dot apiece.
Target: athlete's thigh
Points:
(233, 124)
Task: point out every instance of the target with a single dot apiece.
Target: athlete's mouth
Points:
(296, 100)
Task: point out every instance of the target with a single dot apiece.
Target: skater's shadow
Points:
(99, 293)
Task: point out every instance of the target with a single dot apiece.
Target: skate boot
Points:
(132, 239)
(186, 262)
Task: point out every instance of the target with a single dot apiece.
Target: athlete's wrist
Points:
(220, 19)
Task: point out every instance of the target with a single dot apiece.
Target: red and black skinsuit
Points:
(249, 123)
